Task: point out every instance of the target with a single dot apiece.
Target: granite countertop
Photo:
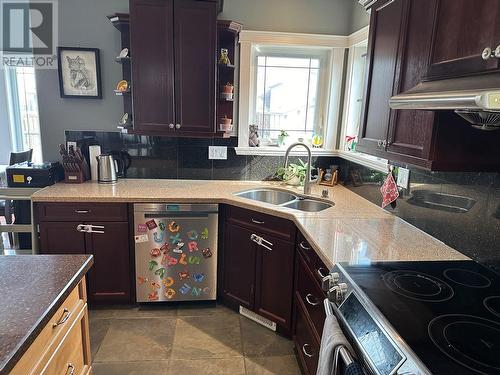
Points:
(32, 288)
(353, 230)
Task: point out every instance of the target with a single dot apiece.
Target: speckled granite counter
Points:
(352, 230)
(32, 288)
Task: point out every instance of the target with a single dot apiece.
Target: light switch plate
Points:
(70, 144)
(403, 178)
(217, 152)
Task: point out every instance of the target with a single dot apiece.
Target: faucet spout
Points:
(307, 182)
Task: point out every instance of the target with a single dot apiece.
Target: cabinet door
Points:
(463, 29)
(61, 238)
(109, 279)
(152, 53)
(411, 131)
(195, 65)
(238, 266)
(274, 289)
(385, 27)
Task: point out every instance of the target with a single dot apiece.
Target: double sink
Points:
(285, 199)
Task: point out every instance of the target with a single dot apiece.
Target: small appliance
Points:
(107, 168)
(28, 174)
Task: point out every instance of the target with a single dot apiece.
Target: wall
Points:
(84, 24)
(475, 232)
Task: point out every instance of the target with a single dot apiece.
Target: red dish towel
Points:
(389, 190)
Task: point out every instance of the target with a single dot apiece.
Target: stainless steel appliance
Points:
(106, 169)
(175, 252)
(428, 317)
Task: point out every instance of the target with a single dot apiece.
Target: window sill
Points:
(280, 151)
(365, 160)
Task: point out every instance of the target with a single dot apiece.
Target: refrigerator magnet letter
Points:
(155, 252)
(199, 277)
(196, 291)
(192, 235)
(158, 237)
(194, 260)
(168, 281)
(151, 224)
(183, 275)
(174, 227)
(170, 293)
(182, 259)
(141, 280)
(204, 234)
(153, 296)
(155, 285)
(162, 226)
(207, 253)
(174, 239)
(152, 264)
(192, 246)
(185, 289)
(160, 272)
(142, 228)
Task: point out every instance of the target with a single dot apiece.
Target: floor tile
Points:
(130, 368)
(97, 329)
(213, 366)
(278, 365)
(137, 339)
(203, 310)
(214, 336)
(129, 312)
(260, 341)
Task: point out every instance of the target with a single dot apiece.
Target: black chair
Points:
(6, 207)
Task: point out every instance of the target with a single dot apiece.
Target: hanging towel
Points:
(331, 338)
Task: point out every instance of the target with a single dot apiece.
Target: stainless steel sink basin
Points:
(267, 195)
(441, 201)
(309, 205)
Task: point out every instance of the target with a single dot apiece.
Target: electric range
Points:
(420, 317)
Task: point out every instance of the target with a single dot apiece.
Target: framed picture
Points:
(328, 179)
(79, 72)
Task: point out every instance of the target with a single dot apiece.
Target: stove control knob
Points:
(335, 277)
(337, 293)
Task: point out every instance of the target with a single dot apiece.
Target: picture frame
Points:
(79, 72)
(328, 182)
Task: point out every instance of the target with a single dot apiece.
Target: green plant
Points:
(283, 133)
(293, 171)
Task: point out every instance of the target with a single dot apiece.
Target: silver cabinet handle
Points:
(322, 272)
(379, 143)
(261, 241)
(304, 350)
(308, 299)
(65, 317)
(177, 126)
(82, 211)
(71, 369)
(171, 126)
(302, 246)
(257, 222)
(486, 54)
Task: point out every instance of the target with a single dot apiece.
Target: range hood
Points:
(475, 98)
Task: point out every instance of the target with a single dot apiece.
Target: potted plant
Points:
(227, 91)
(294, 174)
(282, 137)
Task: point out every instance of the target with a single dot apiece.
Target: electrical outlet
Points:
(403, 178)
(70, 144)
(217, 152)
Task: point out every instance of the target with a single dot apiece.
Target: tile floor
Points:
(185, 340)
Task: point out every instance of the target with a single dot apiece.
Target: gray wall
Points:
(83, 23)
(359, 17)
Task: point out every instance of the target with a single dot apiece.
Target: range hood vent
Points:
(475, 98)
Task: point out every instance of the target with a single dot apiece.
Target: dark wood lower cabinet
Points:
(305, 343)
(61, 238)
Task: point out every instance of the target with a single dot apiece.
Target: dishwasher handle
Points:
(175, 214)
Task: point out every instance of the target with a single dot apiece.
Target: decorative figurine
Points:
(224, 57)
(253, 136)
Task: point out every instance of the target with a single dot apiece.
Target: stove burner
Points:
(467, 278)
(493, 305)
(418, 286)
(470, 341)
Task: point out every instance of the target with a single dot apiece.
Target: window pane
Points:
(312, 121)
(288, 62)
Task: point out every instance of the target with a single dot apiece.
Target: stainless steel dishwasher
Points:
(175, 252)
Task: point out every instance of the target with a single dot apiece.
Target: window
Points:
(288, 95)
(23, 110)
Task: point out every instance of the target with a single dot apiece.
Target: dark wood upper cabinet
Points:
(173, 51)
(462, 30)
(385, 27)
(195, 65)
(401, 48)
(152, 51)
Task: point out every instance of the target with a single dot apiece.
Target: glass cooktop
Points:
(447, 312)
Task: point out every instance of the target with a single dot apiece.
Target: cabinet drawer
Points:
(82, 211)
(70, 356)
(262, 222)
(55, 329)
(313, 261)
(307, 346)
(310, 296)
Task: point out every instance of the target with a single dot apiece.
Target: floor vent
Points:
(258, 319)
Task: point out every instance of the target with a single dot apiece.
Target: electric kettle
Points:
(106, 169)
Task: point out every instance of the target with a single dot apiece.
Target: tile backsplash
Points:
(460, 209)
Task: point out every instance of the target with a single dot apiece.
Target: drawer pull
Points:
(257, 222)
(66, 315)
(304, 350)
(71, 369)
(302, 246)
(322, 272)
(82, 211)
(308, 299)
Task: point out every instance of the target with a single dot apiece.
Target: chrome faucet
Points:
(307, 180)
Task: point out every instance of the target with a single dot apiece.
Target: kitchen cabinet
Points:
(109, 280)
(463, 29)
(400, 40)
(173, 49)
(257, 265)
